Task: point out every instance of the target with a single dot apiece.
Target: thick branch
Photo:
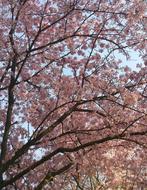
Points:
(51, 174)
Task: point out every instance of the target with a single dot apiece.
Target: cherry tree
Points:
(68, 107)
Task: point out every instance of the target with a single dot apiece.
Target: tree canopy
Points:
(73, 113)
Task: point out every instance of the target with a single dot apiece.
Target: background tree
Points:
(66, 102)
